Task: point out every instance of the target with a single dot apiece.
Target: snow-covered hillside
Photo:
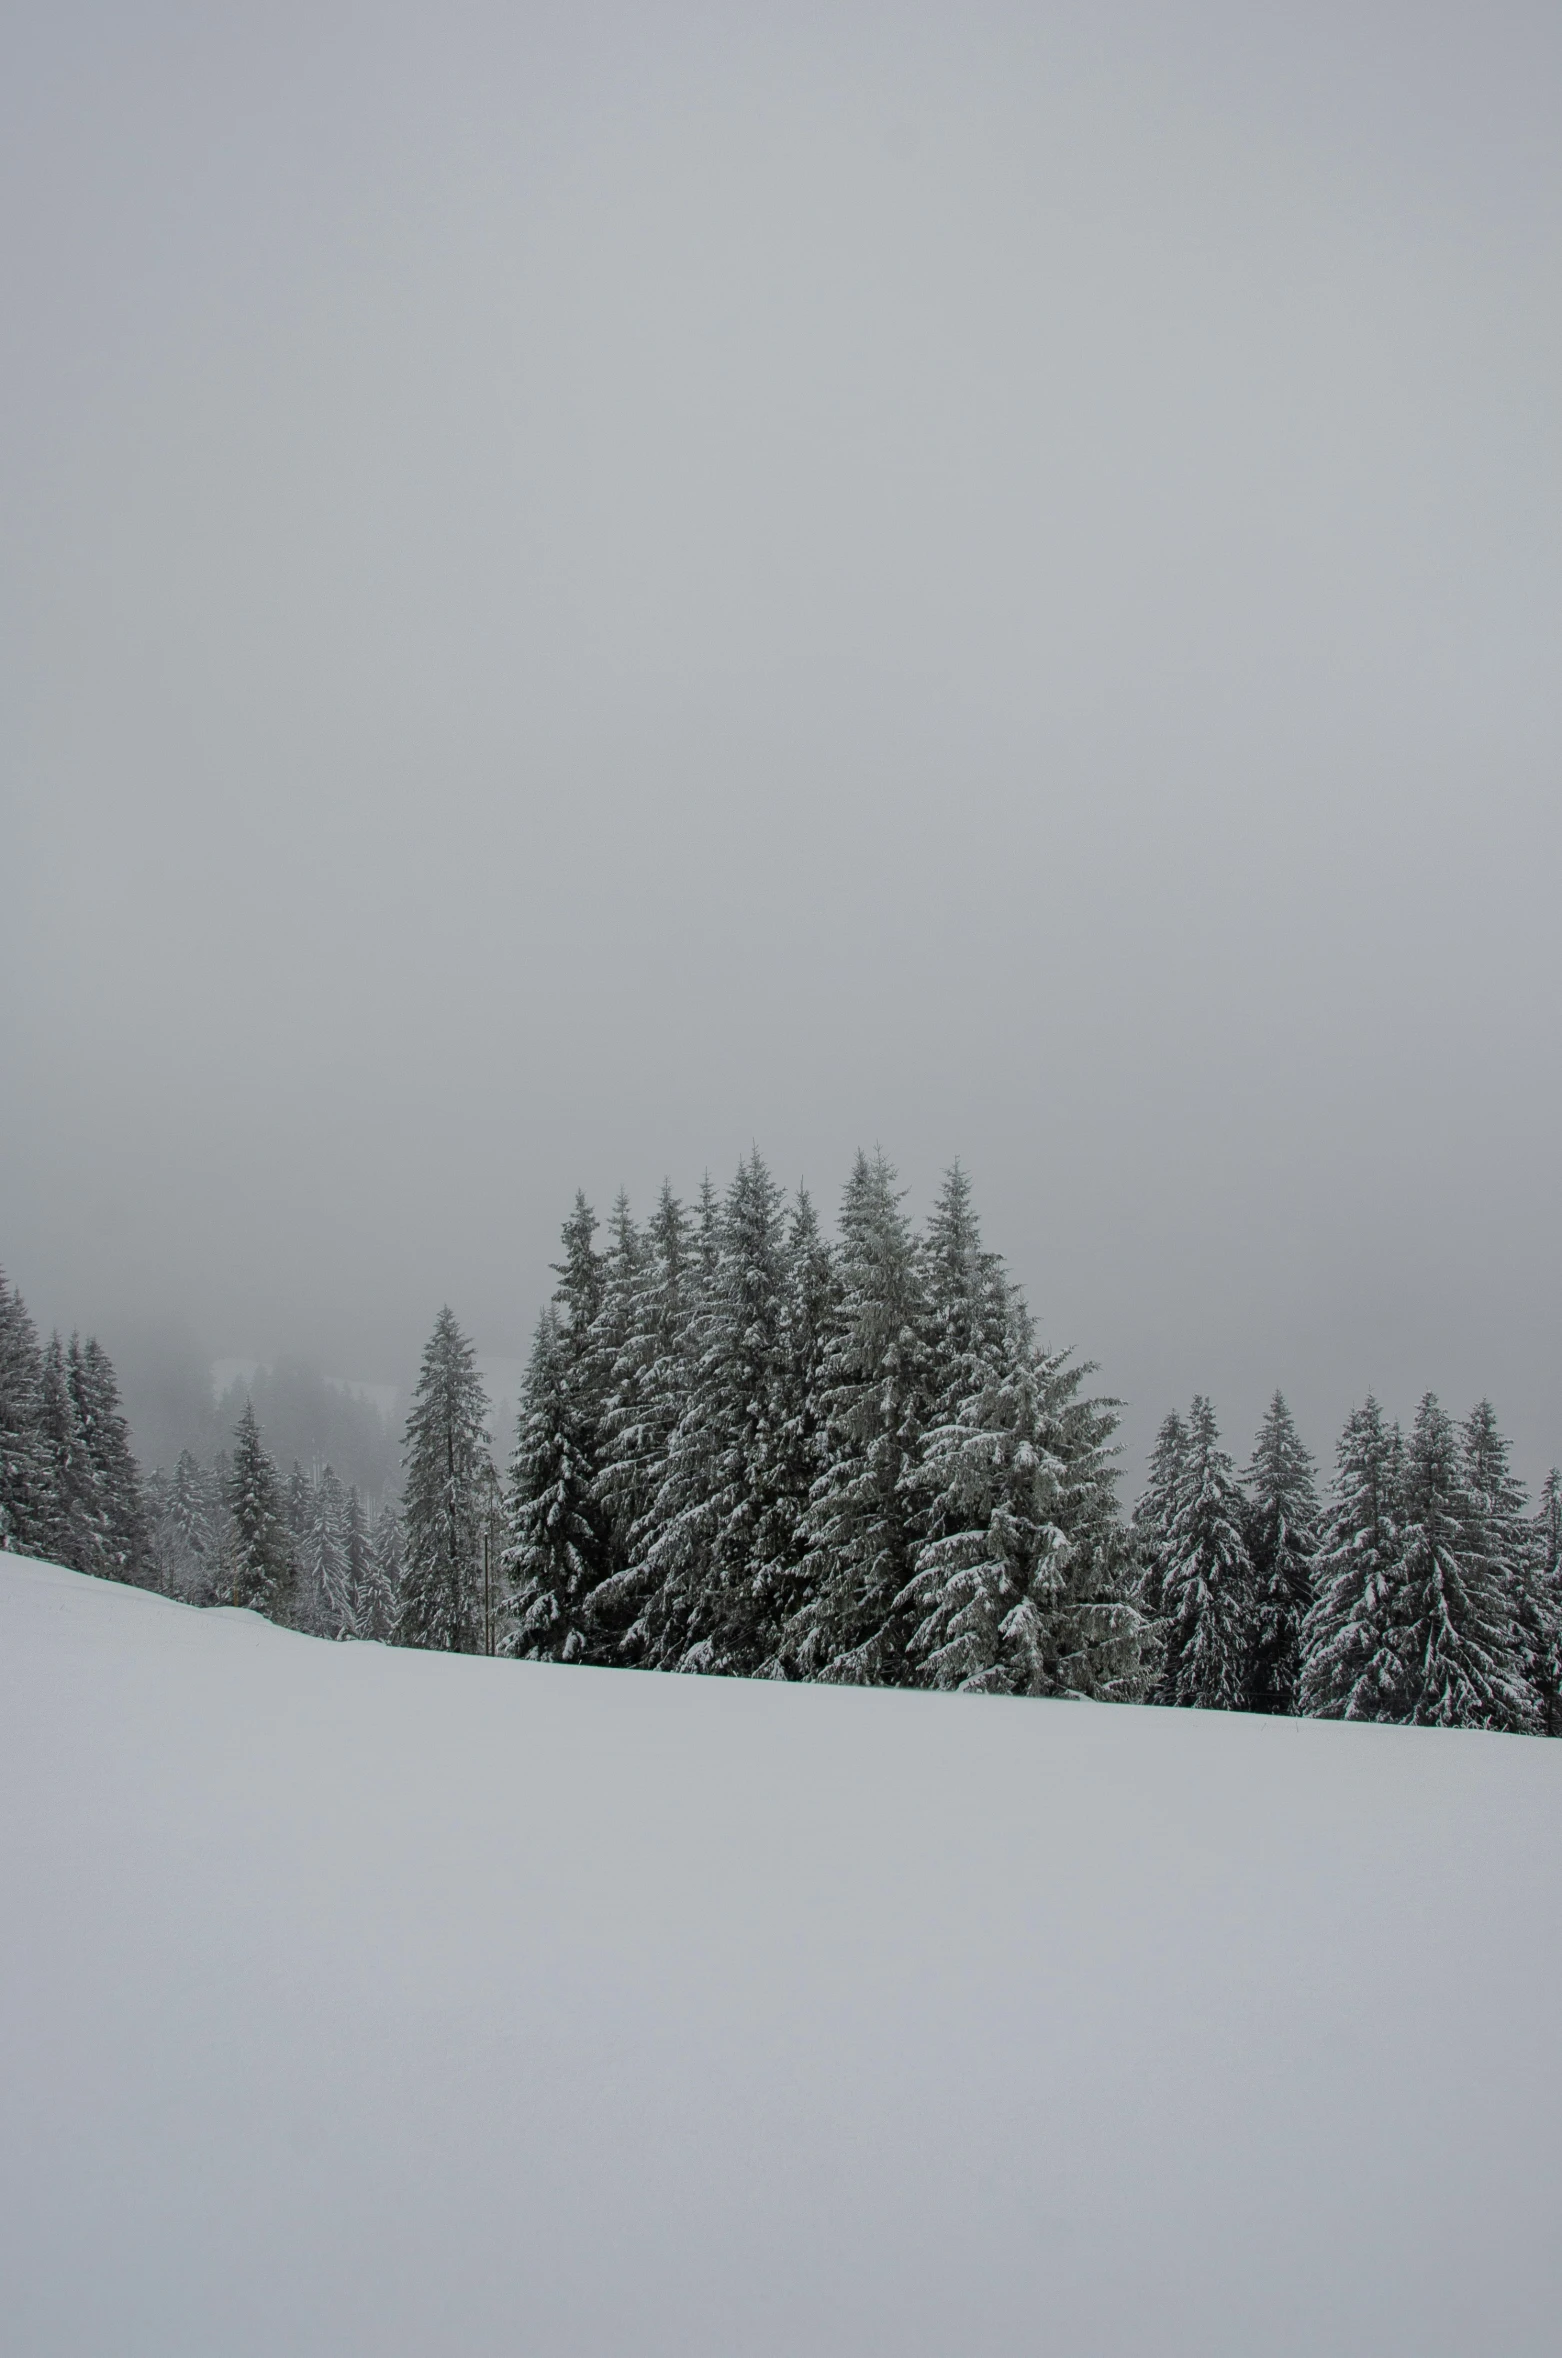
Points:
(359, 2001)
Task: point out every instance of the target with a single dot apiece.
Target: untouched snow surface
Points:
(371, 2002)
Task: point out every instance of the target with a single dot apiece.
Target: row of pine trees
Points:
(314, 1554)
(1421, 1589)
(745, 1448)
(70, 1489)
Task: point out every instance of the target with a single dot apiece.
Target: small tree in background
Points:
(382, 1601)
(329, 1574)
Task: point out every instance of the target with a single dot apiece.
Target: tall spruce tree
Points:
(1152, 1517)
(582, 1278)
(358, 1564)
(725, 1513)
(325, 1561)
(75, 1512)
(1501, 1538)
(1351, 1665)
(29, 1511)
(862, 1527)
(646, 1393)
(758, 1503)
(109, 1506)
(555, 1550)
(811, 1302)
(1079, 1630)
(444, 1457)
(261, 1560)
(669, 1577)
(1454, 1624)
(613, 1378)
(1206, 1577)
(1282, 1534)
(992, 1526)
(299, 1512)
(981, 1480)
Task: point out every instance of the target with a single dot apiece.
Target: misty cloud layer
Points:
(585, 588)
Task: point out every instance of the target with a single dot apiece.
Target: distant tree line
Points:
(307, 1418)
(315, 1556)
(746, 1448)
(311, 1554)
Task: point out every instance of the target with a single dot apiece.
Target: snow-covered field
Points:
(360, 2001)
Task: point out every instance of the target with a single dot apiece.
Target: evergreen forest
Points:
(746, 1447)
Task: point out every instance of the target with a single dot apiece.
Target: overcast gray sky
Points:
(587, 586)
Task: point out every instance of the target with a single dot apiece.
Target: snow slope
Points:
(360, 2001)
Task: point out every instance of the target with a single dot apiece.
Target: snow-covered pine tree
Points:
(707, 1236)
(979, 1478)
(581, 1276)
(1282, 1537)
(308, 1605)
(1152, 1517)
(555, 1552)
(812, 1296)
(1546, 1574)
(862, 1529)
(612, 1355)
(28, 1509)
(261, 1562)
(1023, 1579)
(76, 1517)
(118, 1515)
(1207, 1577)
(445, 1453)
(357, 1562)
(188, 1541)
(647, 1391)
(726, 1518)
(1079, 1629)
(992, 1491)
(156, 1496)
(966, 1301)
(1351, 1666)
(1501, 1538)
(325, 1562)
(1453, 1618)
(378, 1617)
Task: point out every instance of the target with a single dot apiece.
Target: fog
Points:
(583, 588)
